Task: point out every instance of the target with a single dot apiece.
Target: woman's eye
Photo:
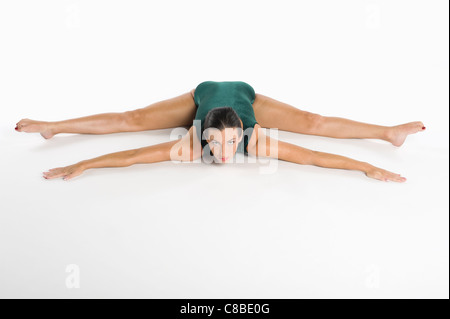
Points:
(216, 143)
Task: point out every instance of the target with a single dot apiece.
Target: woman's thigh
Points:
(174, 112)
(271, 113)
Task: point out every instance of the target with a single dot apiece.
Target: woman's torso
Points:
(236, 94)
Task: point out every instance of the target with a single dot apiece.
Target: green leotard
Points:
(235, 94)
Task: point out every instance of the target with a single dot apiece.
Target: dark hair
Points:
(222, 117)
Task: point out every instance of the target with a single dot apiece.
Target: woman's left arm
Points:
(270, 147)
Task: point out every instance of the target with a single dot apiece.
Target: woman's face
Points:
(224, 143)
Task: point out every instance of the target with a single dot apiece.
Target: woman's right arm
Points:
(177, 150)
(149, 154)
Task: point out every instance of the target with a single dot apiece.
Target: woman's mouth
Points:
(224, 159)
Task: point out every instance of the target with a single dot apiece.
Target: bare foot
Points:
(30, 126)
(398, 133)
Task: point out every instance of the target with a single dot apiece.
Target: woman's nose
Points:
(227, 150)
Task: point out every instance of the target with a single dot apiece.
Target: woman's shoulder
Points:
(201, 88)
(204, 83)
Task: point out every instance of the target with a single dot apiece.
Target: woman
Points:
(227, 117)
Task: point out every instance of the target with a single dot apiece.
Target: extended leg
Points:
(271, 113)
(174, 112)
(338, 127)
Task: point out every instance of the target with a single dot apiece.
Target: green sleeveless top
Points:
(235, 94)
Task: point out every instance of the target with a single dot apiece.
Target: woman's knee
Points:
(315, 121)
(132, 120)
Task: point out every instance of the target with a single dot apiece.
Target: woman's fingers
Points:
(54, 173)
(67, 172)
(398, 178)
(384, 175)
(389, 176)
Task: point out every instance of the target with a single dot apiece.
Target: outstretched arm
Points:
(177, 150)
(300, 155)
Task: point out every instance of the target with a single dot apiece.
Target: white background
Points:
(194, 230)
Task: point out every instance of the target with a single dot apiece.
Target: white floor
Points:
(194, 230)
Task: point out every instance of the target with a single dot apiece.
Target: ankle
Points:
(53, 127)
(388, 133)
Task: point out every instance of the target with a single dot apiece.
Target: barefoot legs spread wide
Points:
(180, 111)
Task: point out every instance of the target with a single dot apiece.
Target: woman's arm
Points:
(177, 150)
(300, 155)
(150, 154)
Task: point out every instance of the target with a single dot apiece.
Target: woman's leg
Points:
(271, 113)
(174, 112)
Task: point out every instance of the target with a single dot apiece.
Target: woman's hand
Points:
(67, 172)
(383, 175)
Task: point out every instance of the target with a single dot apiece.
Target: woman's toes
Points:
(22, 124)
(419, 126)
